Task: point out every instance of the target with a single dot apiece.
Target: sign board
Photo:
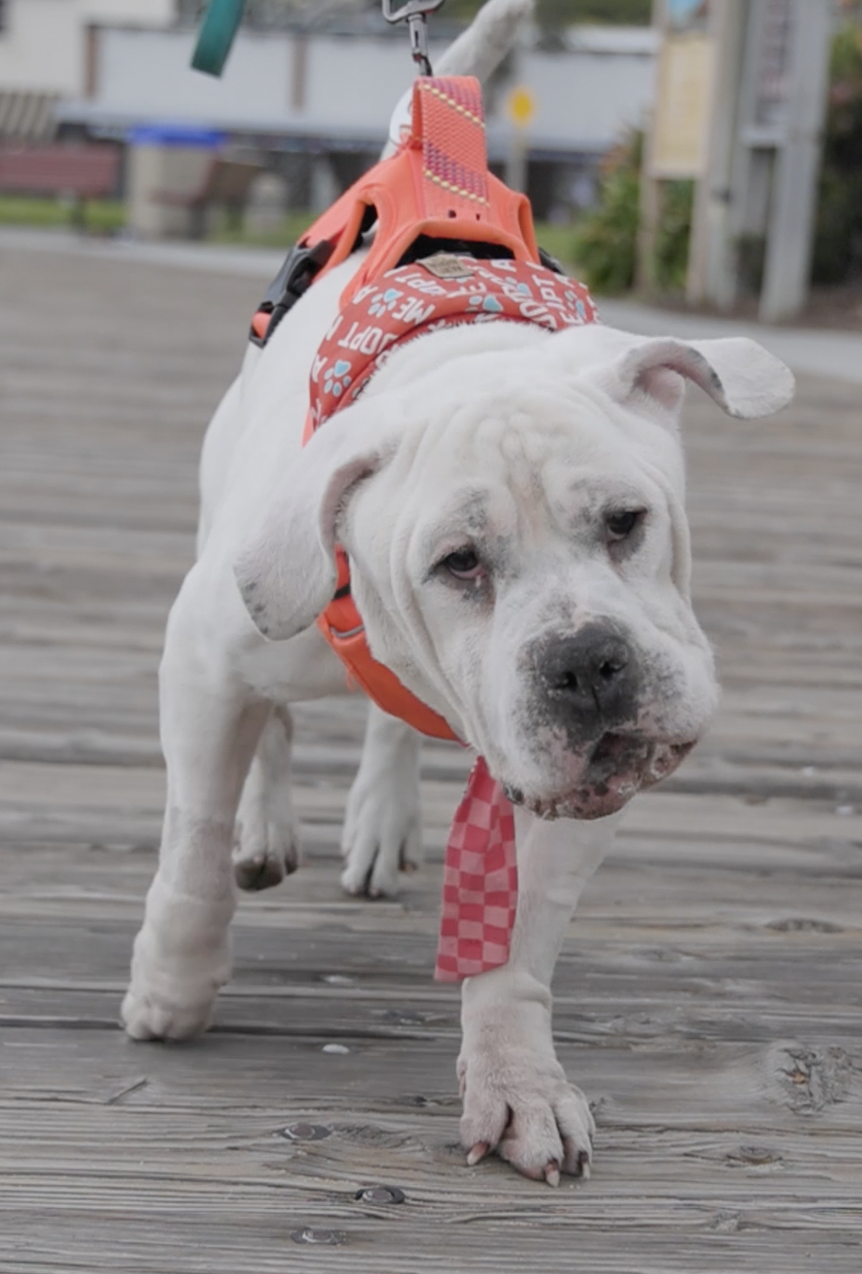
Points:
(774, 73)
(683, 93)
(520, 106)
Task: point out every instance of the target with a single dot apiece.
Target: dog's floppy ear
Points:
(649, 373)
(743, 378)
(286, 570)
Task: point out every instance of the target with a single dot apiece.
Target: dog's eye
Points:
(620, 525)
(463, 564)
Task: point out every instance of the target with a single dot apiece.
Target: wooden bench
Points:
(76, 172)
(226, 184)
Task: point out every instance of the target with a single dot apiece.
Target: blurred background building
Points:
(46, 49)
(310, 88)
(718, 88)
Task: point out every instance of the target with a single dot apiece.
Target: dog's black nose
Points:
(590, 678)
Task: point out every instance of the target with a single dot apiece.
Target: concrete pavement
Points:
(815, 352)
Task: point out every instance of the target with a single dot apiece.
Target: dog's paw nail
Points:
(477, 1153)
(584, 1165)
(552, 1174)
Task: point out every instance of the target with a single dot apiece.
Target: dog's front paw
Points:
(382, 832)
(265, 851)
(148, 1014)
(171, 999)
(517, 1100)
(519, 1104)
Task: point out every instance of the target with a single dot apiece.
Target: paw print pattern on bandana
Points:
(577, 304)
(488, 304)
(385, 302)
(336, 378)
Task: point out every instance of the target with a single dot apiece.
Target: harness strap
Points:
(437, 185)
(435, 193)
(442, 290)
(435, 190)
(344, 630)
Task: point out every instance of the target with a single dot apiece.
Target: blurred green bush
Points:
(670, 261)
(98, 216)
(605, 240)
(604, 248)
(838, 232)
(553, 14)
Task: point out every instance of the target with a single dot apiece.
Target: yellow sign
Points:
(520, 106)
(681, 120)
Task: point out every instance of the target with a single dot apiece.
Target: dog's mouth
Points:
(618, 766)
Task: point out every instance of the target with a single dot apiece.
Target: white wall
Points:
(43, 45)
(145, 76)
(586, 100)
(583, 98)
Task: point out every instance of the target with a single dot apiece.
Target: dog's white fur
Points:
(515, 442)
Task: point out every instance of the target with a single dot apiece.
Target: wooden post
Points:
(712, 256)
(649, 210)
(649, 206)
(793, 204)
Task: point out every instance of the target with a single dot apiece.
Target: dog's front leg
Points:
(517, 1100)
(383, 822)
(209, 729)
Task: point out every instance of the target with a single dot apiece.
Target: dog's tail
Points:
(478, 51)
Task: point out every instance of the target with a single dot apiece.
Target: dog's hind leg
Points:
(210, 727)
(266, 843)
(383, 822)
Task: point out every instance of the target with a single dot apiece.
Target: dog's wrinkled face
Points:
(538, 570)
(520, 558)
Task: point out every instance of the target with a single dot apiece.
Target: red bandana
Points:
(440, 291)
(480, 880)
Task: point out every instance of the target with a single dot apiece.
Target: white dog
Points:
(512, 505)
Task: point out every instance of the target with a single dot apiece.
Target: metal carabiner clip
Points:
(415, 12)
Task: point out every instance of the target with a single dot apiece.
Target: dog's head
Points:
(519, 549)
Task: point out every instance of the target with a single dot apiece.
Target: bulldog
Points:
(512, 505)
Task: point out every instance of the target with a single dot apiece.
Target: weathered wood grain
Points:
(708, 999)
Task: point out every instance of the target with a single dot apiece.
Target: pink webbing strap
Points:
(449, 124)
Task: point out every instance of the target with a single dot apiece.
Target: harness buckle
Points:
(415, 12)
(301, 265)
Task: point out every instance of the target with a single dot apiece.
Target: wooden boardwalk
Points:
(708, 999)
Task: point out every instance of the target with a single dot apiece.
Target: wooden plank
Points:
(158, 1150)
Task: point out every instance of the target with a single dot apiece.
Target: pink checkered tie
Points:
(480, 882)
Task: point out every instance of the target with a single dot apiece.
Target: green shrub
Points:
(837, 253)
(605, 241)
(553, 14)
(101, 216)
(670, 260)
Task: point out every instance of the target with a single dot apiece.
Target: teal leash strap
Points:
(216, 36)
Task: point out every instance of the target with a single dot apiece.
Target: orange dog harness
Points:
(435, 193)
(452, 246)
(400, 306)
